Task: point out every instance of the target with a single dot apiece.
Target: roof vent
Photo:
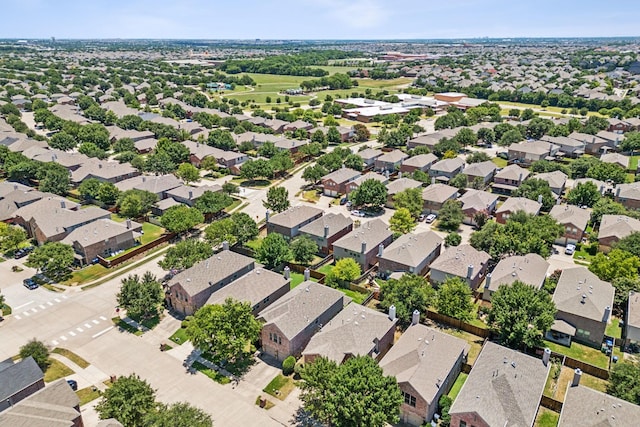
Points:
(513, 364)
(584, 298)
(188, 279)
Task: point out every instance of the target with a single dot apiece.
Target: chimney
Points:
(326, 231)
(266, 216)
(487, 282)
(128, 224)
(577, 374)
(520, 177)
(433, 180)
(546, 356)
(363, 248)
(287, 273)
(618, 192)
(607, 313)
(190, 194)
(307, 274)
(415, 317)
(15, 186)
(469, 271)
(392, 312)
(386, 174)
(225, 245)
(380, 249)
(399, 175)
(144, 179)
(99, 165)
(63, 205)
(540, 198)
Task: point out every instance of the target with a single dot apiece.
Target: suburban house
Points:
(346, 133)
(530, 269)
(446, 169)
(364, 244)
(602, 186)
(145, 145)
(390, 161)
(410, 253)
(226, 159)
(556, 179)
(574, 220)
(116, 133)
(516, 204)
(584, 406)
(289, 222)
(190, 289)
(18, 381)
(504, 388)
(102, 237)
(527, 152)
(482, 171)
(103, 171)
(475, 202)
(188, 195)
(592, 144)
(422, 162)
(430, 140)
(584, 305)
(614, 228)
(616, 159)
(426, 363)
(12, 201)
(298, 124)
(509, 179)
(355, 331)
(353, 185)
(259, 287)
(435, 195)
(398, 186)
(158, 185)
(464, 262)
(618, 126)
(613, 139)
(325, 230)
(54, 405)
(632, 319)
(290, 145)
(335, 183)
(568, 146)
(628, 195)
(290, 322)
(369, 156)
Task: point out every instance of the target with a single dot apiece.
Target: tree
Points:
(124, 145)
(260, 168)
(89, 188)
(220, 231)
(314, 173)
(175, 151)
(344, 271)
(11, 236)
(245, 228)
(624, 382)
(159, 163)
(466, 137)
(281, 162)
(63, 141)
(53, 258)
(477, 157)
(54, 178)
(212, 203)
(584, 194)
(630, 244)
(617, 263)
(304, 249)
(229, 188)
(354, 162)
(141, 297)
(521, 314)
(454, 299)
(108, 193)
(459, 181)
(453, 239)
(510, 137)
(135, 203)
(407, 294)
(38, 351)
(451, 215)
(185, 254)
(180, 414)
(188, 173)
(178, 219)
(608, 171)
(274, 251)
(606, 206)
(268, 149)
(224, 330)
(410, 199)
(333, 136)
(533, 188)
(277, 199)
(631, 142)
(371, 192)
(623, 286)
(90, 149)
(402, 222)
(95, 133)
(356, 393)
(129, 400)
(362, 133)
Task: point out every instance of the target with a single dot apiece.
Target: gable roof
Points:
(439, 193)
(301, 307)
(571, 214)
(101, 230)
(628, 191)
(530, 269)
(456, 260)
(422, 358)
(556, 179)
(616, 159)
(477, 199)
(586, 407)
(342, 175)
(411, 249)
(515, 204)
(352, 332)
(369, 153)
(421, 160)
(586, 138)
(448, 165)
(153, 184)
(295, 216)
(335, 222)
(633, 310)
(513, 172)
(393, 156)
(253, 287)
(102, 169)
(192, 193)
(504, 387)
(619, 226)
(18, 376)
(480, 169)
(401, 184)
(578, 284)
(372, 233)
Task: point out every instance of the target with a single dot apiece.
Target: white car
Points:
(570, 249)
(430, 218)
(357, 213)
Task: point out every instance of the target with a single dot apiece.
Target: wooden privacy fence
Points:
(137, 251)
(457, 323)
(549, 403)
(572, 363)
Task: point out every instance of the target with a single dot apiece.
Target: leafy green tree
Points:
(533, 188)
(319, 137)
(333, 136)
(356, 393)
(487, 136)
(129, 400)
(90, 149)
(259, 168)
(277, 199)
(584, 194)
(281, 162)
(124, 144)
(371, 193)
(108, 193)
(466, 137)
(617, 263)
(212, 203)
(362, 133)
(630, 244)
(185, 254)
(606, 206)
(224, 330)
(580, 166)
(624, 285)
(451, 215)
(53, 258)
(521, 314)
(268, 150)
(11, 236)
(354, 162)
(631, 142)
(459, 181)
(188, 173)
(344, 271)
(229, 188)
(178, 219)
(407, 294)
(63, 141)
(453, 239)
(410, 199)
(180, 414)
(141, 296)
(624, 382)
(38, 351)
(221, 139)
(454, 299)
(604, 171)
(401, 222)
(314, 173)
(135, 203)
(175, 151)
(220, 231)
(477, 157)
(304, 249)
(159, 162)
(510, 137)
(95, 133)
(244, 227)
(54, 178)
(274, 251)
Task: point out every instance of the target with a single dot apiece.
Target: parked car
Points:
(430, 218)
(357, 213)
(343, 201)
(73, 384)
(41, 279)
(29, 283)
(570, 249)
(20, 253)
(503, 155)
(421, 218)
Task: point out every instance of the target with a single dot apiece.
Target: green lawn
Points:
(151, 232)
(179, 336)
(280, 387)
(87, 274)
(6, 310)
(499, 162)
(613, 328)
(125, 326)
(71, 356)
(56, 371)
(117, 218)
(357, 297)
(297, 278)
(457, 386)
(326, 269)
(148, 323)
(217, 377)
(254, 244)
(87, 395)
(593, 382)
(546, 418)
(232, 206)
(581, 352)
(633, 163)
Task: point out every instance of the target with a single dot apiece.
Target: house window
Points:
(266, 300)
(583, 333)
(409, 399)
(270, 336)
(463, 424)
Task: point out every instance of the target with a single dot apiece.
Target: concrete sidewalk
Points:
(86, 377)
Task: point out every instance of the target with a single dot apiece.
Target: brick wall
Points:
(470, 418)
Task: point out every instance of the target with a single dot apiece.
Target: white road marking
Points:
(34, 310)
(102, 332)
(73, 334)
(25, 313)
(43, 306)
(65, 297)
(63, 338)
(57, 300)
(103, 318)
(79, 329)
(54, 342)
(95, 322)
(49, 303)
(23, 305)
(18, 317)
(86, 325)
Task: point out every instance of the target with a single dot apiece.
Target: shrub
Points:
(288, 365)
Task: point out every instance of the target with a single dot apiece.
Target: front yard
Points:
(56, 371)
(180, 336)
(280, 386)
(216, 376)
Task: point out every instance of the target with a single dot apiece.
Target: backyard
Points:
(581, 352)
(546, 418)
(457, 386)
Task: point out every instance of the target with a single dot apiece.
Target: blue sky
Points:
(317, 19)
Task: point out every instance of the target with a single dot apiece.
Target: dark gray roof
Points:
(577, 284)
(18, 376)
(342, 175)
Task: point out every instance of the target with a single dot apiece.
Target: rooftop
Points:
(411, 249)
(456, 260)
(571, 214)
(586, 407)
(401, 184)
(530, 269)
(582, 293)
(439, 193)
(619, 226)
(515, 204)
(295, 216)
(252, 287)
(335, 222)
(372, 233)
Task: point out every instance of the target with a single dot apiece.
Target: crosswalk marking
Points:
(34, 310)
(54, 342)
(42, 307)
(86, 325)
(73, 334)
(103, 318)
(95, 322)
(18, 317)
(25, 313)
(63, 338)
(57, 300)
(49, 303)
(79, 329)
(65, 297)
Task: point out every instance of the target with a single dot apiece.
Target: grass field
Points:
(581, 352)
(56, 371)
(457, 386)
(613, 328)
(357, 297)
(87, 395)
(546, 418)
(217, 377)
(71, 356)
(179, 336)
(297, 278)
(151, 232)
(280, 387)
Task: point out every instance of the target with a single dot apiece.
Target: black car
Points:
(20, 253)
(29, 283)
(73, 384)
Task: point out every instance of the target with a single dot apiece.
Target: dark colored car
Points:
(73, 384)
(29, 283)
(343, 201)
(20, 253)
